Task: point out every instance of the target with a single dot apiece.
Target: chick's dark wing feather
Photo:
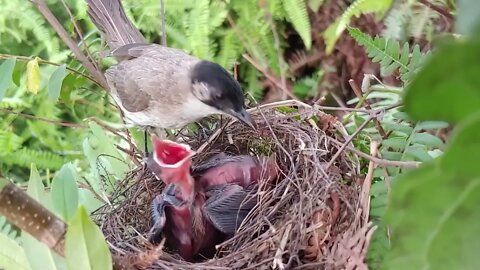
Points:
(227, 206)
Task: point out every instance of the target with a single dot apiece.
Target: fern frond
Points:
(356, 9)
(229, 51)
(388, 53)
(396, 23)
(12, 103)
(9, 142)
(296, 11)
(197, 26)
(42, 159)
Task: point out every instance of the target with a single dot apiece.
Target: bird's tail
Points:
(111, 20)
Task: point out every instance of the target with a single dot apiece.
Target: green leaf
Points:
(396, 142)
(55, 82)
(438, 93)
(39, 255)
(6, 72)
(431, 125)
(65, 192)
(333, 32)
(463, 152)
(36, 189)
(427, 139)
(12, 255)
(85, 246)
(433, 213)
(33, 76)
(87, 198)
(297, 14)
(429, 212)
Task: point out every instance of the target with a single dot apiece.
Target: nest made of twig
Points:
(311, 219)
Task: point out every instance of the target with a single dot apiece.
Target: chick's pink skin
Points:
(187, 224)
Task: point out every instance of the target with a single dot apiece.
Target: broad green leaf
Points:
(419, 153)
(463, 153)
(447, 88)
(36, 189)
(398, 127)
(85, 246)
(55, 82)
(431, 125)
(38, 254)
(6, 72)
(427, 139)
(33, 76)
(440, 201)
(65, 192)
(12, 255)
(396, 142)
(435, 221)
(87, 199)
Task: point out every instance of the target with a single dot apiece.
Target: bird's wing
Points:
(149, 73)
(227, 206)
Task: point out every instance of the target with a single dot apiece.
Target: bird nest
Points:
(315, 217)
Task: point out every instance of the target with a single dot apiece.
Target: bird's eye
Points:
(219, 96)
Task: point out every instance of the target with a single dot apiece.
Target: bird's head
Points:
(214, 86)
(174, 160)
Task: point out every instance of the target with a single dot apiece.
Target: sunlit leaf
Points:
(65, 192)
(33, 76)
(85, 246)
(12, 255)
(438, 93)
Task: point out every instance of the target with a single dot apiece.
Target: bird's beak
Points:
(245, 117)
(169, 154)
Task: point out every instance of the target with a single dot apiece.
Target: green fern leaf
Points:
(9, 142)
(388, 54)
(229, 51)
(333, 32)
(42, 159)
(296, 11)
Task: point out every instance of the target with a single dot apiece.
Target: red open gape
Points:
(170, 153)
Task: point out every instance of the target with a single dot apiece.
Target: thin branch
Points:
(348, 141)
(268, 76)
(358, 93)
(43, 61)
(29, 116)
(45, 11)
(379, 161)
(80, 34)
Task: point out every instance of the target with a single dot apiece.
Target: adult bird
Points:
(198, 210)
(157, 86)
